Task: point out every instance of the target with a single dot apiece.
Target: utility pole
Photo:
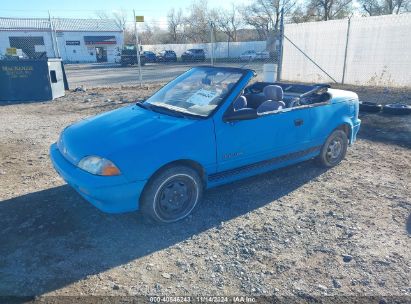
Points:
(212, 41)
(138, 49)
(54, 41)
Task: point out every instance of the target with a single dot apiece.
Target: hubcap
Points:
(176, 198)
(174, 195)
(334, 149)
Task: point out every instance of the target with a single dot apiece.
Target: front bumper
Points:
(111, 194)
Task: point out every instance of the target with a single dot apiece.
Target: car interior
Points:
(268, 97)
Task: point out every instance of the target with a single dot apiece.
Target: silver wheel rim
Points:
(334, 150)
(189, 198)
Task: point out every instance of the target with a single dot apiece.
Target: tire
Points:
(397, 109)
(370, 107)
(334, 149)
(171, 195)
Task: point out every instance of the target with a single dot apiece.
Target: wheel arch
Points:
(347, 128)
(183, 162)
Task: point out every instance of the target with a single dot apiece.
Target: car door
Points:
(246, 142)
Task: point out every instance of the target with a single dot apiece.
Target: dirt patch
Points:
(300, 231)
(380, 95)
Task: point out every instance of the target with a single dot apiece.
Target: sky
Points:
(155, 11)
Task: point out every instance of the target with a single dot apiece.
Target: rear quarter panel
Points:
(341, 109)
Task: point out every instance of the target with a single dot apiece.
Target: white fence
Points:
(361, 51)
(378, 51)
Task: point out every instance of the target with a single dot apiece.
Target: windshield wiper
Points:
(142, 105)
(167, 111)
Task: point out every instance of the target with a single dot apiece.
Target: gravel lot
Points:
(300, 231)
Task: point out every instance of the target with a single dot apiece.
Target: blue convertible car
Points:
(208, 127)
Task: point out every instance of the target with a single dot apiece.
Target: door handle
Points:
(298, 122)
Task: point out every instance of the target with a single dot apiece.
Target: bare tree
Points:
(197, 22)
(385, 7)
(302, 14)
(228, 21)
(175, 22)
(264, 15)
(329, 9)
(101, 14)
(120, 18)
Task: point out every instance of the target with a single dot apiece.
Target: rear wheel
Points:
(334, 149)
(172, 194)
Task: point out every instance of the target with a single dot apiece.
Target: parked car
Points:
(262, 55)
(167, 56)
(253, 55)
(193, 55)
(129, 56)
(205, 128)
(248, 55)
(150, 56)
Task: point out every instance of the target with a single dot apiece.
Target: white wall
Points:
(73, 53)
(83, 52)
(324, 42)
(378, 53)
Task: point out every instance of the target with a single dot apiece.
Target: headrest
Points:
(273, 92)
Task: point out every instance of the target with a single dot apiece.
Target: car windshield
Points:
(197, 92)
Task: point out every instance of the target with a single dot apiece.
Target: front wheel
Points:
(172, 194)
(334, 149)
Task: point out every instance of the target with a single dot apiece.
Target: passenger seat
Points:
(274, 95)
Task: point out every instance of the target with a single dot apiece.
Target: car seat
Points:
(274, 95)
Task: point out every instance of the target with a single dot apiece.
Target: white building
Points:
(75, 40)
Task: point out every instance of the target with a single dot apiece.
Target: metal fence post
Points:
(280, 51)
(346, 50)
(212, 42)
(138, 49)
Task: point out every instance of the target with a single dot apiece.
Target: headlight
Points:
(98, 166)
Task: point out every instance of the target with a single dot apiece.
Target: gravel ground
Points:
(300, 231)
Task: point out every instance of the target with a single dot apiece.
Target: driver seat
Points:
(274, 102)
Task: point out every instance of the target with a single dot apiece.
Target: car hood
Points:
(105, 134)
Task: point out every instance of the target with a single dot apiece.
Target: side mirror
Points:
(242, 114)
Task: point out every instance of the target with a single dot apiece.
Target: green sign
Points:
(11, 51)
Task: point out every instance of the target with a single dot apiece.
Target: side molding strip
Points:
(262, 164)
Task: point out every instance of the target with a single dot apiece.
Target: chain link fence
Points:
(371, 51)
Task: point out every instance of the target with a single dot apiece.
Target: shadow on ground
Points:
(53, 237)
(408, 225)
